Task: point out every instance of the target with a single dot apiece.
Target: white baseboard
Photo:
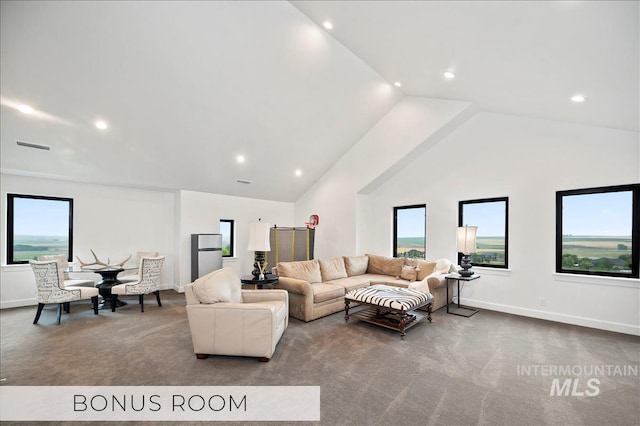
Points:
(554, 316)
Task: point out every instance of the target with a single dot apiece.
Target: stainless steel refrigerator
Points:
(206, 254)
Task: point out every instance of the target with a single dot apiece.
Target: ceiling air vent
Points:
(246, 182)
(34, 145)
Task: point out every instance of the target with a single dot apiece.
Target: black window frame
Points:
(232, 242)
(635, 229)
(10, 224)
(395, 226)
(461, 222)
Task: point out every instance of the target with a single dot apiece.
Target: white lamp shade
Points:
(259, 236)
(467, 239)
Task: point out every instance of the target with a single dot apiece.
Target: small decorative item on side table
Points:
(258, 283)
(460, 310)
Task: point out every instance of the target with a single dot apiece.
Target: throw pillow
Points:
(382, 265)
(409, 273)
(306, 270)
(356, 265)
(332, 269)
(222, 285)
(425, 269)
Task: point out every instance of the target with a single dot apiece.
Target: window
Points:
(409, 231)
(226, 229)
(38, 226)
(598, 231)
(491, 216)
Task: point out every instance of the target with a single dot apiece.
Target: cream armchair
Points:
(226, 320)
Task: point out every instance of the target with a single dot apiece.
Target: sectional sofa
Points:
(317, 287)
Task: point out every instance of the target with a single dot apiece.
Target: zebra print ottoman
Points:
(389, 306)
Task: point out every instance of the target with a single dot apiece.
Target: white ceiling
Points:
(188, 86)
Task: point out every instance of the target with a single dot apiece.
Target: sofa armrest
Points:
(252, 296)
(436, 280)
(295, 286)
(189, 295)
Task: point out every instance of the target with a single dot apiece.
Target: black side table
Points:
(269, 279)
(462, 311)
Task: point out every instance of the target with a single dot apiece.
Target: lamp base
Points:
(257, 265)
(466, 266)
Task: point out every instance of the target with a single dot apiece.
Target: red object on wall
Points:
(314, 220)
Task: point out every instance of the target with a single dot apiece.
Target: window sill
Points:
(229, 259)
(598, 280)
(501, 272)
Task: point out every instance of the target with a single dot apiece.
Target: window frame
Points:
(10, 224)
(395, 226)
(635, 229)
(232, 242)
(461, 222)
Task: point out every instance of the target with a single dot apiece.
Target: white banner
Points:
(160, 403)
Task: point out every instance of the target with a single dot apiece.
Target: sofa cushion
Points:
(332, 269)
(323, 292)
(222, 285)
(306, 270)
(356, 265)
(409, 273)
(351, 283)
(391, 266)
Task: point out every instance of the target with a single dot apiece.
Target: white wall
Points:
(528, 160)
(409, 128)
(200, 213)
(113, 221)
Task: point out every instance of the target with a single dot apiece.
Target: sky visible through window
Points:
(40, 217)
(411, 223)
(488, 217)
(604, 214)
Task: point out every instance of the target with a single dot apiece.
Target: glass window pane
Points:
(491, 241)
(226, 229)
(596, 232)
(410, 232)
(40, 226)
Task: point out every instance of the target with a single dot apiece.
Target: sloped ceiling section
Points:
(185, 88)
(522, 58)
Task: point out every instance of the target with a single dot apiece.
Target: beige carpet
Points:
(454, 371)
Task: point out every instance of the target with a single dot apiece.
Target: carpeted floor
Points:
(454, 371)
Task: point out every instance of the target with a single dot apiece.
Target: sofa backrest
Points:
(332, 269)
(356, 265)
(383, 265)
(306, 270)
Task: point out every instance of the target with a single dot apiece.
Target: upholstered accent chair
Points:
(149, 282)
(64, 265)
(51, 289)
(133, 276)
(226, 320)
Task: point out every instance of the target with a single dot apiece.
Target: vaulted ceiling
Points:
(187, 87)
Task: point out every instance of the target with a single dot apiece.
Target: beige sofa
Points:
(317, 287)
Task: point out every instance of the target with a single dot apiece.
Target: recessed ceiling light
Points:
(240, 158)
(328, 25)
(25, 109)
(298, 172)
(449, 75)
(102, 125)
(397, 84)
(578, 98)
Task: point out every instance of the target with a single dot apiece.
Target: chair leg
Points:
(67, 307)
(40, 306)
(141, 300)
(114, 301)
(264, 359)
(59, 313)
(157, 292)
(94, 301)
(202, 356)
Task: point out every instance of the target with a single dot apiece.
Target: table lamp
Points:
(466, 245)
(259, 243)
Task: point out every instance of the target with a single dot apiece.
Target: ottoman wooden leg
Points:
(346, 310)
(429, 311)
